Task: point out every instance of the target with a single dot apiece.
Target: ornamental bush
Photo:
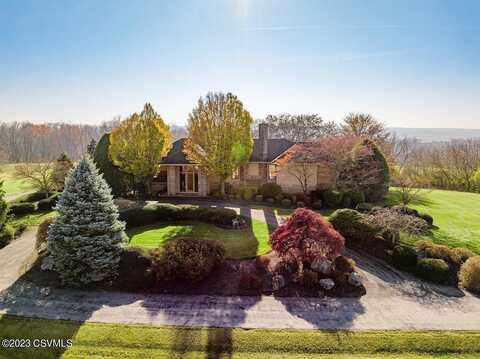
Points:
(435, 270)
(353, 226)
(86, 239)
(306, 235)
(404, 256)
(469, 276)
(270, 190)
(332, 198)
(188, 259)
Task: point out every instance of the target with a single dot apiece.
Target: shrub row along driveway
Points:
(394, 300)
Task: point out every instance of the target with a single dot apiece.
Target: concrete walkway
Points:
(394, 300)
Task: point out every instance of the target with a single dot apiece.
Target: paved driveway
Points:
(394, 300)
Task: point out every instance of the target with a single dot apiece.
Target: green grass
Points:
(246, 243)
(32, 219)
(136, 341)
(456, 214)
(13, 186)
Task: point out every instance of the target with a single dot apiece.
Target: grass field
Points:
(94, 340)
(244, 243)
(456, 214)
(13, 187)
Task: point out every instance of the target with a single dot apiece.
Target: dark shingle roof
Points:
(176, 156)
(275, 148)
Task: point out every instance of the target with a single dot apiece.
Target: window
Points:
(236, 173)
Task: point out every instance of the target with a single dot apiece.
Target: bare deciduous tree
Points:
(39, 174)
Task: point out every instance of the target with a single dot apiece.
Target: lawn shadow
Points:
(421, 199)
(36, 294)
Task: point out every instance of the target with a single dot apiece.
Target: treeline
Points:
(453, 165)
(29, 142)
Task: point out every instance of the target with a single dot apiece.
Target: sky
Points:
(408, 63)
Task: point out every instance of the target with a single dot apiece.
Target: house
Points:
(178, 176)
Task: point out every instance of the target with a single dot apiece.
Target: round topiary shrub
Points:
(352, 225)
(270, 190)
(42, 234)
(332, 198)
(463, 253)
(404, 256)
(286, 202)
(435, 270)
(186, 258)
(469, 275)
(344, 264)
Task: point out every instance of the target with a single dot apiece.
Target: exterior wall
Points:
(325, 176)
(290, 184)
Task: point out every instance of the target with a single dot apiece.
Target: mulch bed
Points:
(225, 280)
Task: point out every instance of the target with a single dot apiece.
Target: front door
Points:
(188, 179)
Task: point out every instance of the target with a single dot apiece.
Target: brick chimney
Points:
(263, 138)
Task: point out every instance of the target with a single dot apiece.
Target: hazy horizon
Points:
(408, 63)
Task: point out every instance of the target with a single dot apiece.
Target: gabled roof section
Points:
(275, 148)
(176, 156)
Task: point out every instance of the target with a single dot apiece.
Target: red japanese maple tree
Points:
(305, 236)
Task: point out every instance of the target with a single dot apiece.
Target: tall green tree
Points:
(119, 181)
(219, 135)
(139, 143)
(86, 238)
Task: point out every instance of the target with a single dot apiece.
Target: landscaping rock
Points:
(322, 265)
(45, 291)
(354, 279)
(278, 282)
(326, 283)
(47, 263)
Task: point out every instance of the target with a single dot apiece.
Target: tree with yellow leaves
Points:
(219, 135)
(139, 143)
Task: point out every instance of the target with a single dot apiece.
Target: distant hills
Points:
(435, 134)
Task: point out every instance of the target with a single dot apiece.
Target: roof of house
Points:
(275, 148)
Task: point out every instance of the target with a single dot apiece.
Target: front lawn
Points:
(456, 214)
(13, 187)
(239, 244)
(94, 340)
(31, 219)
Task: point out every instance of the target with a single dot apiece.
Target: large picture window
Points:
(188, 179)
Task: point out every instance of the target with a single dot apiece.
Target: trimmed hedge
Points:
(404, 256)
(33, 197)
(22, 208)
(435, 270)
(153, 213)
(48, 203)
